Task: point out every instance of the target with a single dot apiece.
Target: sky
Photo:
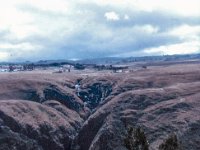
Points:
(68, 29)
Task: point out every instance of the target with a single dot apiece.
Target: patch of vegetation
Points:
(136, 139)
(79, 66)
(144, 67)
(171, 143)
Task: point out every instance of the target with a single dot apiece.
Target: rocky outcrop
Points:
(94, 91)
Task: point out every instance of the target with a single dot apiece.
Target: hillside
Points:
(43, 111)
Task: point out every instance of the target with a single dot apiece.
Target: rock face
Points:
(45, 113)
(95, 90)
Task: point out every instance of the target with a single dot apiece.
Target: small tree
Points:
(79, 66)
(144, 67)
(11, 68)
(171, 143)
(136, 139)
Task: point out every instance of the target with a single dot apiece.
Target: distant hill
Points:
(113, 60)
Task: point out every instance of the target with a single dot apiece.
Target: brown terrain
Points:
(42, 111)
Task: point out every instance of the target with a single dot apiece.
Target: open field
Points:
(42, 110)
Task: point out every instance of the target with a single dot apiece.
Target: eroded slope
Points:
(161, 100)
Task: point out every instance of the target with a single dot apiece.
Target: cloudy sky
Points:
(70, 29)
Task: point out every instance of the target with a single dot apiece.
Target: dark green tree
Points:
(79, 66)
(171, 143)
(136, 139)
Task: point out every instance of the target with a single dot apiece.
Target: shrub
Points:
(144, 67)
(136, 139)
(79, 66)
(171, 143)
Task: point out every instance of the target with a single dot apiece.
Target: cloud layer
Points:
(64, 29)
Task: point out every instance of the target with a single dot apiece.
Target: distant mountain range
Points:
(113, 60)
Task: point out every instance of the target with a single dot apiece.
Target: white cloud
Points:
(126, 17)
(112, 16)
(51, 5)
(181, 7)
(10, 51)
(21, 46)
(180, 48)
(4, 56)
(186, 32)
(148, 29)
